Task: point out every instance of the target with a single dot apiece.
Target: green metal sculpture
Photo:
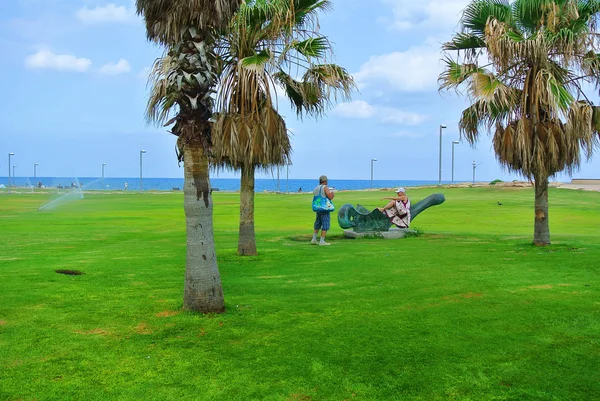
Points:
(362, 220)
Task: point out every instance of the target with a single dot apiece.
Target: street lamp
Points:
(9, 155)
(453, 143)
(475, 164)
(141, 153)
(372, 160)
(102, 183)
(442, 126)
(35, 170)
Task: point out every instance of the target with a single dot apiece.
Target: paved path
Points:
(580, 186)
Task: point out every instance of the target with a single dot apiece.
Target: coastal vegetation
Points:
(528, 67)
(271, 50)
(467, 310)
(183, 83)
(223, 63)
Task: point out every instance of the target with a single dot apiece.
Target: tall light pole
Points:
(102, 183)
(141, 166)
(35, 170)
(442, 126)
(372, 160)
(475, 164)
(453, 143)
(9, 155)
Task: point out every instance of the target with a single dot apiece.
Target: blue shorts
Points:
(322, 221)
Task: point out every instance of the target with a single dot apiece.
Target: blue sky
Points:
(74, 76)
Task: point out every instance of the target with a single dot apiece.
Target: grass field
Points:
(469, 310)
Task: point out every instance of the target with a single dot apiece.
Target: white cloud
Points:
(104, 14)
(355, 109)
(45, 59)
(438, 15)
(391, 115)
(120, 67)
(413, 70)
(386, 115)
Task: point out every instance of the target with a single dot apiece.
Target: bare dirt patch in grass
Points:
(300, 397)
(470, 295)
(143, 328)
(98, 331)
(2, 322)
(538, 287)
(167, 313)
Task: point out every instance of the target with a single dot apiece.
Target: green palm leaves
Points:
(525, 65)
(271, 47)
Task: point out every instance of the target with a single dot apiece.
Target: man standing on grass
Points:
(322, 221)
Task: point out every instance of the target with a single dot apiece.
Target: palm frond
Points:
(166, 19)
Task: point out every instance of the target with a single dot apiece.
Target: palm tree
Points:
(264, 43)
(526, 65)
(183, 83)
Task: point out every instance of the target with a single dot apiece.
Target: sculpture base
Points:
(392, 233)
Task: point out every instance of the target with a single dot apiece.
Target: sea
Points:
(218, 184)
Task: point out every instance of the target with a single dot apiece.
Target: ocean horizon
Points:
(218, 184)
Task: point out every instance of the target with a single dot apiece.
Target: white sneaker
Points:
(314, 242)
(324, 243)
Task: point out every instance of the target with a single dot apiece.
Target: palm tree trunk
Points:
(203, 291)
(541, 233)
(247, 237)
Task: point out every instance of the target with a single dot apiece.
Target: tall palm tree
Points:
(526, 65)
(183, 84)
(266, 43)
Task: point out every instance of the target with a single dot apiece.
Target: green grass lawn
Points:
(469, 310)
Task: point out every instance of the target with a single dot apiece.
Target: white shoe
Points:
(324, 243)
(314, 242)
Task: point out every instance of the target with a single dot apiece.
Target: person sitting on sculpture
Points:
(398, 209)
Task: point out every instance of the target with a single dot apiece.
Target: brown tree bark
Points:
(247, 237)
(203, 291)
(541, 232)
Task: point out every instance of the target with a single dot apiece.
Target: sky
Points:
(74, 76)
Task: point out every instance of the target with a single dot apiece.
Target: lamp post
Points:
(475, 164)
(442, 126)
(453, 143)
(141, 166)
(278, 178)
(103, 164)
(287, 179)
(372, 160)
(9, 155)
(35, 170)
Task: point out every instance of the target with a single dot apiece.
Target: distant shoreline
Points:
(477, 184)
